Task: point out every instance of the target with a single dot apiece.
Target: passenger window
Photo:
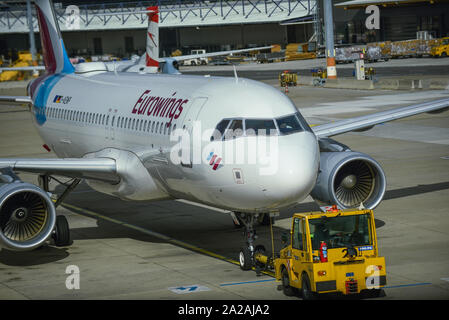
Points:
(157, 127)
(235, 130)
(260, 127)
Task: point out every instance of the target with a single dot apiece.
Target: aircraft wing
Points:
(15, 99)
(103, 169)
(214, 54)
(29, 68)
(368, 121)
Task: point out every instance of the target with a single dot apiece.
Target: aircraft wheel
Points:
(62, 232)
(245, 259)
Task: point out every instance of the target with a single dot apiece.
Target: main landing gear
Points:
(61, 233)
(248, 254)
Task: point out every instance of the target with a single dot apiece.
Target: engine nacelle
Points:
(348, 179)
(135, 182)
(27, 214)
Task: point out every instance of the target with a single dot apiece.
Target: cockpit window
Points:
(289, 124)
(260, 127)
(303, 122)
(228, 129)
(219, 130)
(235, 130)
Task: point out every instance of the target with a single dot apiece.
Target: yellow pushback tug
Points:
(331, 252)
(335, 251)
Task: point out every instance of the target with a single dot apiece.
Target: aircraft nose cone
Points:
(296, 173)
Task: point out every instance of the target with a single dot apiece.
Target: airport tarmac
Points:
(418, 68)
(176, 250)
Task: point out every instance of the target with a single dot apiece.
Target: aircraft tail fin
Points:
(152, 54)
(55, 56)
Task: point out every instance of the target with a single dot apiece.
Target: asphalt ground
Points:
(175, 250)
(395, 68)
(380, 72)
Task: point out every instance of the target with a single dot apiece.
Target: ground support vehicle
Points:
(441, 50)
(288, 78)
(332, 252)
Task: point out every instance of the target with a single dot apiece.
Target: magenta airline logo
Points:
(162, 107)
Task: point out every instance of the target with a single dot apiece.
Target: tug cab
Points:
(332, 252)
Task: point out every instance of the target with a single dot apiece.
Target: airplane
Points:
(151, 62)
(123, 133)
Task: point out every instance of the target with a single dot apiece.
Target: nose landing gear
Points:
(246, 255)
(251, 255)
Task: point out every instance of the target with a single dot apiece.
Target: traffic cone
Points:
(286, 88)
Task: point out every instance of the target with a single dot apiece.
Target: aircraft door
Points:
(110, 123)
(194, 145)
(299, 245)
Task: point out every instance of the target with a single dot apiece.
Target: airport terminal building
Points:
(184, 25)
(118, 28)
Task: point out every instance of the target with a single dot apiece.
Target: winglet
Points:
(55, 56)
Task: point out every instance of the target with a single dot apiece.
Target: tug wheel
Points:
(286, 288)
(306, 291)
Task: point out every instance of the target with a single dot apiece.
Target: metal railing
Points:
(173, 13)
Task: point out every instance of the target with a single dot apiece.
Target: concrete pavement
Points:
(121, 249)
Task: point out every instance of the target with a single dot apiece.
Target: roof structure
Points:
(364, 3)
(132, 15)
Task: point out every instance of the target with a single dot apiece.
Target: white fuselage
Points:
(107, 112)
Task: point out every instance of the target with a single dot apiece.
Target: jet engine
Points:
(348, 178)
(27, 214)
